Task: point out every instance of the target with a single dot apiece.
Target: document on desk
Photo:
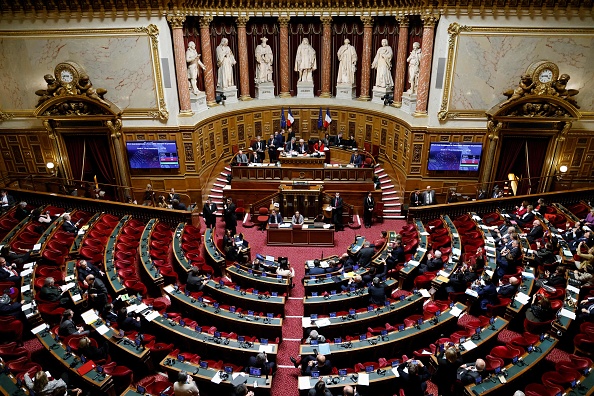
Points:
(573, 289)
(37, 246)
(472, 293)
(455, 311)
(39, 328)
(303, 383)
(568, 314)
(216, 378)
(89, 317)
(269, 348)
(425, 233)
(395, 372)
(421, 249)
(413, 263)
(527, 275)
(522, 298)
(424, 293)
(468, 345)
(76, 297)
(152, 315)
(323, 322)
(102, 329)
(363, 379)
(324, 348)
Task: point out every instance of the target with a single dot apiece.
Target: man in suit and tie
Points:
(368, 206)
(241, 158)
(429, 196)
(356, 158)
(230, 216)
(172, 195)
(302, 147)
(366, 254)
(416, 198)
(254, 157)
(336, 204)
(526, 218)
(272, 149)
(259, 146)
(535, 233)
(291, 145)
(275, 217)
(68, 226)
(209, 213)
(510, 289)
(8, 272)
(279, 139)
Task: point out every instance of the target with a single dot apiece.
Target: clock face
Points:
(66, 76)
(545, 76)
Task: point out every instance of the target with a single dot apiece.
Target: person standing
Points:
(97, 292)
(209, 213)
(429, 196)
(259, 147)
(368, 206)
(416, 198)
(336, 204)
(225, 62)
(305, 61)
(230, 216)
(272, 149)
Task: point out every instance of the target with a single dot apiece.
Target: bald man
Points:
(468, 373)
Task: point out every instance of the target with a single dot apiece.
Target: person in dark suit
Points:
(85, 269)
(467, 373)
(541, 206)
(316, 269)
(429, 196)
(279, 140)
(487, 294)
(272, 149)
(526, 218)
(291, 145)
(507, 260)
(21, 212)
(53, 293)
(259, 148)
(254, 158)
(416, 198)
(261, 361)
(302, 147)
(448, 362)
(317, 363)
(460, 279)
(319, 389)
(172, 195)
(336, 204)
(275, 217)
(434, 263)
(356, 158)
(345, 263)
(97, 292)
(368, 206)
(352, 142)
(209, 213)
(377, 292)
(230, 216)
(290, 133)
(8, 272)
(195, 281)
(6, 200)
(9, 308)
(508, 290)
(176, 205)
(414, 379)
(67, 326)
(109, 313)
(69, 226)
(535, 233)
(128, 320)
(86, 348)
(396, 255)
(365, 254)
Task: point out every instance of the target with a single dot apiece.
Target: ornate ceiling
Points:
(101, 8)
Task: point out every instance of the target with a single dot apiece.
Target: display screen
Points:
(154, 154)
(454, 156)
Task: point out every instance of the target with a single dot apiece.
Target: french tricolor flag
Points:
(290, 118)
(327, 119)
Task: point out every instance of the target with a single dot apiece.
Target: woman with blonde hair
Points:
(42, 386)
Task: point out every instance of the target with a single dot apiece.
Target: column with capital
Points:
(285, 90)
(326, 56)
(400, 59)
(366, 58)
(181, 68)
(429, 22)
(244, 71)
(209, 83)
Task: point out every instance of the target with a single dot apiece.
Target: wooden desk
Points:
(72, 276)
(110, 271)
(9, 387)
(178, 252)
(246, 324)
(302, 161)
(257, 302)
(309, 236)
(146, 260)
(78, 240)
(514, 371)
(102, 385)
(259, 279)
(213, 254)
(408, 270)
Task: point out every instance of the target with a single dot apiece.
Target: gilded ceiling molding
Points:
(5, 116)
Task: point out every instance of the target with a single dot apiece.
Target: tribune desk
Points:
(9, 385)
(302, 161)
(449, 267)
(306, 236)
(260, 280)
(255, 300)
(145, 258)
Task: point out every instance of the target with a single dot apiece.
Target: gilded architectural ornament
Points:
(205, 21)
(153, 32)
(454, 30)
(429, 20)
(403, 20)
(176, 21)
(5, 116)
(367, 20)
(494, 128)
(115, 128)
(162, 114)
(242, 21)
(283, 21)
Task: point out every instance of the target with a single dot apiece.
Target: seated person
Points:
(557, 279)
(508, 290)
(275, 217)
(355, 282)
(86, 348)
(587, 256)
(487, 294)
(85, 269)
(414, 376)
(356, 158)
(544, 254)
(315, 336)
(255, 158)
(352, 142)
(434, 263)
(109, 313)
(42, 386)
(469, 372)
(15, 257)
(241, 158)
(242, 390)
(535, 233)
(520, 210)
(6, 200)
(284, 270)
(526, 218)
(586, 309)
(297, 218)
(365, 254)
(377, 292)
(128, 320)
(177, 205)
(185, 386)
(319, 389)
(9, 308)
(302, 148)
(345, 263)
(381, 241)
(572, 232)
(589, 219)
(377, 269)
(540, 310)
(291, 145)
(460, 279)
(316, 269)
(396, 255)
(319, 147)
(69, 226)
(51, 292)
(195, 281)
(261, 361)
(43, 218)
(508, 259)
(67, 326)
(9, 273)
(311, 363)
(21, 212)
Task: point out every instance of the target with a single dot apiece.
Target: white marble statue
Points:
(414, 62)
(347, 57)
(194, 62)
(225, 62)
(305, 61)
(383, 64)
(263, 62)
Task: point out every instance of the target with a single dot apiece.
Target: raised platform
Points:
(309, 236)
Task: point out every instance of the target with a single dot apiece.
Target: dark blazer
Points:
(67, 328)
(526, 218)
(507, 290)
(365, 256)
(413, 384)
(429, 197)
(91, 269)
(279, 218)
(50, 293)
(68, 226)
(316, 271)
(416, 199)
(356, 159)
(368, 204)
(377, 294)
(535, 233)
(208, 212)
(302, 149)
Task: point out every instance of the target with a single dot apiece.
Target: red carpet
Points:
(285, 381)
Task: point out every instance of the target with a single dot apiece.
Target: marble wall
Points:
(122, 64)
(487, 64)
